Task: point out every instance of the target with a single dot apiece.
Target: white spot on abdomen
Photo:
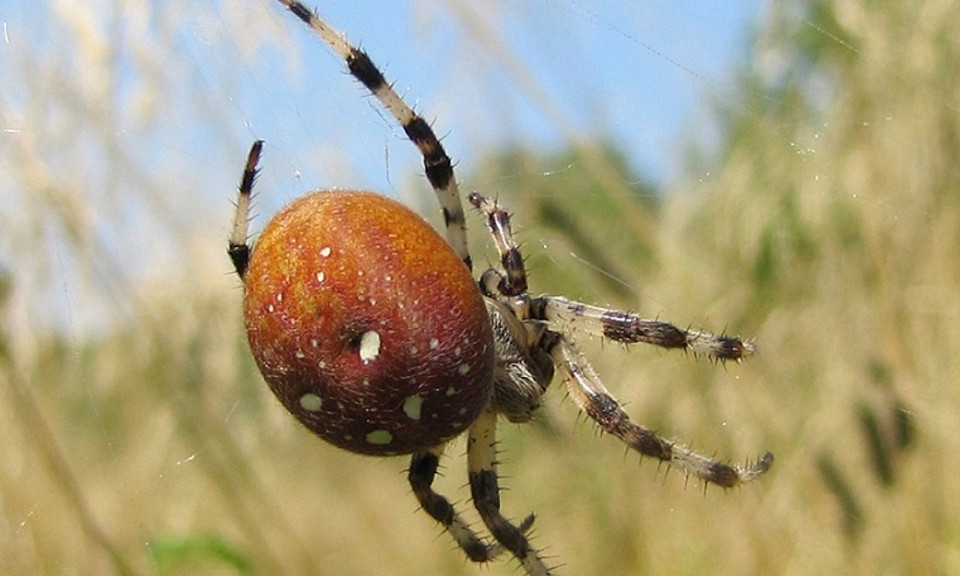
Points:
(311, 402)
(380, 437)
(369, 346)
(412, 406)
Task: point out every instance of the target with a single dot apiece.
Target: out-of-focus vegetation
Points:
(145, 443)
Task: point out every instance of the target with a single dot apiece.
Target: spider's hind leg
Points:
(238, 248)
(595, 401)
(423, 470)
(485, 490)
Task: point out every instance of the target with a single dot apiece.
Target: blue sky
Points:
(640, 72)
(489, 74)
(136, 115)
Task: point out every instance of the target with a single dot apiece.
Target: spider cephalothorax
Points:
(369, 328)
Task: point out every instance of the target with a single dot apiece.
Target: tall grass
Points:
(839, 204)
(137, 438)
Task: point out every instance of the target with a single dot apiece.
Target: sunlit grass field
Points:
(136, 436)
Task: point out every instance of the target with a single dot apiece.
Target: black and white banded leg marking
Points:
(595, 401)
(628, 328)
(423, 470)
(623, 327)
(485, 491)
(498, 223)
(238, 248)
(436, 163)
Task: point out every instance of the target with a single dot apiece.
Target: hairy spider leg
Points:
(584, 385)
(619, 326)
(628, 328)
(485, 491)
(595, 401)
(498, 223)
(436, 163)
(423, 470)
(238, 248)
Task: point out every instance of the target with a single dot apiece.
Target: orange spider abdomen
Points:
(366, 325)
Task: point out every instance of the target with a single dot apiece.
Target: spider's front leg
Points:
(628, 328)
(437, 165)
(560, 314)
(593, 399)
(623, 327)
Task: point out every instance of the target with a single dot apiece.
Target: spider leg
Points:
(237, 248)
(498, 222)
(592, 397)
(436, 163)
(628, 328)
(624, 327)
(485, 490)
(423, 470)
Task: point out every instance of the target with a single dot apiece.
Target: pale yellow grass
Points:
(137, 438)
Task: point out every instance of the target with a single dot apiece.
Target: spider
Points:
(370, 329)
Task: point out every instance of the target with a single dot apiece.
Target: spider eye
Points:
(366, 325)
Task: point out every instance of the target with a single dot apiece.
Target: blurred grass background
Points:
(137, 438)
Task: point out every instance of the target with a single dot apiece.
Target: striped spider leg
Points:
(552, 315)
(436, 163)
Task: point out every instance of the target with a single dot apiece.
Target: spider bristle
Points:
(552, 568)
(598, 430)
(527, 523)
